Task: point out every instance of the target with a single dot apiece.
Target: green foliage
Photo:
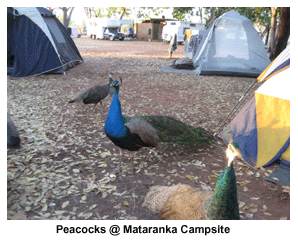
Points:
(180, 12)
(94, 12)
(258, 15)
(144, 12)
(110, 12)
(118, 12)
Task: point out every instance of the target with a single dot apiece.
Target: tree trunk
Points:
(123, 10)
(266, 30)
(272, 29)
(200, 13)
(283, 33)
(212, 17)
(66, 19)
(88, 12)
(69, 16)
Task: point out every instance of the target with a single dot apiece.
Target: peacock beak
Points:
(114, 83)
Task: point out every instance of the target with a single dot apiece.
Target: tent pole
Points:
(219, 128)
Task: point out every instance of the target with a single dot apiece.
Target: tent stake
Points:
(221, 125)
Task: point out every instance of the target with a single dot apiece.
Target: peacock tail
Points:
(223, 205)
(171, 130)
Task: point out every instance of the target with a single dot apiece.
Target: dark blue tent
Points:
(38, 43)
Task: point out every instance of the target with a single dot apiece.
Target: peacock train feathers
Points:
(171, 130)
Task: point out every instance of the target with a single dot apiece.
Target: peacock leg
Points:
(120, 162)
(94, 107)
(132, 156)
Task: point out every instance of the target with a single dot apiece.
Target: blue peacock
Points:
(133, 133)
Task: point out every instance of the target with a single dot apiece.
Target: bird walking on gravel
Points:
(133, 135)
(95, 94)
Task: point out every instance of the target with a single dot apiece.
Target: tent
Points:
(38, 43)
(231, 46)
(262, 127)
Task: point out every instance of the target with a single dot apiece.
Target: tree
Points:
(180, 12)
(272, 29)
(200, 13)
(66, 17)
(212, 15)
(116, 11)
(258, 15)
(283, 33)
(93, 12)
(144, 12)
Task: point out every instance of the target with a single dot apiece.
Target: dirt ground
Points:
(64, 169)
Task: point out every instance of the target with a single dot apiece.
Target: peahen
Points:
(13, 137)
(184, 202)
(95, 94)
(132, 135)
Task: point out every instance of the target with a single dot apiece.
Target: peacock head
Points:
(232, 152)
(115, 84)
(110, 78)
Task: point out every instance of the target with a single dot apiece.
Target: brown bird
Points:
(95, 94)
(184, 202)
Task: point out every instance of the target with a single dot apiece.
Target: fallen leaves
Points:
(64, 169)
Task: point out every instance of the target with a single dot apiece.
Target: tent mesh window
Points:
(55, 31)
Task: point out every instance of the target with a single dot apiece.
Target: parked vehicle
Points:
(113, 33)
(106, 28)
(179, 27)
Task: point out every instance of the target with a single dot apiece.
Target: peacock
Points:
(132, 135)
(13, 137)
(95, 94)
(184, 202)
(167, 128)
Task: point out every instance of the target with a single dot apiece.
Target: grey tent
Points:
(231, 46)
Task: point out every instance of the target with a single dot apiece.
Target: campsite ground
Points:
(63, 170)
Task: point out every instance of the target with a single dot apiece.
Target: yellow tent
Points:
(262, 127)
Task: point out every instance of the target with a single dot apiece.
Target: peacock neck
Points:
(115, 121)
(224, 203)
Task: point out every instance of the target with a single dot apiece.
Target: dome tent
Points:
(262, 127)
(38, 43)
(231, 46)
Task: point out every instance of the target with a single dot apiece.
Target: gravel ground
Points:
(63, 169)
